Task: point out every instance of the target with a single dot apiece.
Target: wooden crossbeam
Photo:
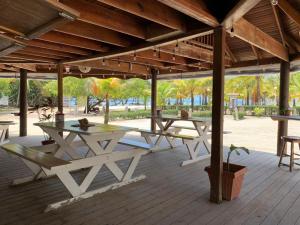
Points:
(74, 41)
(39, 54)
(238, 11)
(254, 36)
(29, 67)
(279, 24)
(290, 11)
(58, 47)
(193, 8)
(8, 68)
(150, 10)
(93, 32)
(63, 8)
(31, 57)
(104, 17)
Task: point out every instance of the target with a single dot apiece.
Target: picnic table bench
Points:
(101, 140)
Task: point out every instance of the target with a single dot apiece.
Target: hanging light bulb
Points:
(67, 69)
(177, 46)
(154, 52)
(134, 56)
(103, 62)
(274, 2)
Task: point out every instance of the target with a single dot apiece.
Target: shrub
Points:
(202, 114)
(259, 111)
(241, 115)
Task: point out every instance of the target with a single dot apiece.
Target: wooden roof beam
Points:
(29, 67)
(238, 11)
(193, 8)
(254, 36)
(93, 32)
(104, 17)
(150, 10)
(31, 57)
(58, 47)
(66, 39)
(279, 24)
(8, 68)
(49, 52)
(290, 11)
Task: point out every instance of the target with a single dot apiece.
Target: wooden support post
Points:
(60, 90)
(283, 102)
(23, 102)
(153, 97)
(217, 115)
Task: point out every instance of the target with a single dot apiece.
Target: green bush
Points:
(241, 115)
(202, 114)
(130, 115)
(259, 111)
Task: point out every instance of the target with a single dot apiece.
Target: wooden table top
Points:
(72, 126)
(281, 117)
(178, 118)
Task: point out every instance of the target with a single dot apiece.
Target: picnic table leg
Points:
(203, 134)
(193, 149)
(164, 128)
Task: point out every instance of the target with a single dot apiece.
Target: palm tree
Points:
(165, 91)
(106, 89)
(192, 86)
(205, 88)
(180, 91)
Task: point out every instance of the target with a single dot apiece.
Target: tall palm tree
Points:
(192, 86)
(205, 88)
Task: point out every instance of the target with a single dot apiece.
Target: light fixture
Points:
(177, 46)
(134, 56)
(154, 52)
(274, 2)
(67, 68)
(84, 69)
(103, 62)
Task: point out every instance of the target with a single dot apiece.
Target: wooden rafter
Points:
(104, 17)
(150, 10)
(240, 9)
(31, 57)
(279, 24)
(74, 41)
(289, 10)
(230, 53)
(93, 32)
(29, 67)
(254, 36)
(39, 54)
(193, 8)
(49, 52)
(58, 47)
(144, 46)
(256, 53)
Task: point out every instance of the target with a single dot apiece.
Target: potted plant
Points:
(233, 175)
(46, 114)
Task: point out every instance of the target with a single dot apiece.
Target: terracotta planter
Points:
(232, 180)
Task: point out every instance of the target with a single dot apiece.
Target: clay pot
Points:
(232, 180)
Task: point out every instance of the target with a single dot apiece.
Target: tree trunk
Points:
(258, 96)
(192, 101)
(106, 116)
(248, 97)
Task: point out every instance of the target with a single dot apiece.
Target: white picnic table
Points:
(101, 141)
(4, 125)
(201, 125)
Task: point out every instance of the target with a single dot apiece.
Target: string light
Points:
(103, 62)
(154, 52)
(134, 56)
(119, 63)
(177, 46)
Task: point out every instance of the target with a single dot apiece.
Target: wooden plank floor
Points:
(169, 195)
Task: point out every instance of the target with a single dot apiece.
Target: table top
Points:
(281, 117)
(98, 128)
(178, 118)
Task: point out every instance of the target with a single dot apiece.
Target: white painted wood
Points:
(3, 130)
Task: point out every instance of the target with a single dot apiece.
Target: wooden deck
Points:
(169, 195)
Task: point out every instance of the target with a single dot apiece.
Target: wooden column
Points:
(60, 90)
(283, 101)
(153, 97)
(23, 103)
(217, 115)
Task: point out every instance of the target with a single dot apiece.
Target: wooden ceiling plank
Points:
(238, 11)
(253, 35)
(230, 53)
(63, 8)
(49, 52)
(290, 11)
(150, 10)
(10, 49)
(93, 32)
(58, 47)
(11, 30)
(74, 41)
(30, 57)
(193, 8)
(8, 68)
(29, 67)
(111, 19)
(39, 54)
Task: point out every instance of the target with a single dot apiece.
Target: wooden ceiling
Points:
(117, 38)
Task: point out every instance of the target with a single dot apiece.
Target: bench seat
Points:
(184, 127)
(133, 143)
(40, 158)
(182, 136)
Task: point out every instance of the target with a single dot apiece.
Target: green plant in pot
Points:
(233, 175)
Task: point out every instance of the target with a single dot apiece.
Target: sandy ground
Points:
(252, 132)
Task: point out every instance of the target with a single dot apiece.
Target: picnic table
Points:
(171, 132)
(101, 140)
(285, 118)
(4, 126)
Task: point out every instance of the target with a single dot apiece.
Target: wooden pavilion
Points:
(152, 39)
